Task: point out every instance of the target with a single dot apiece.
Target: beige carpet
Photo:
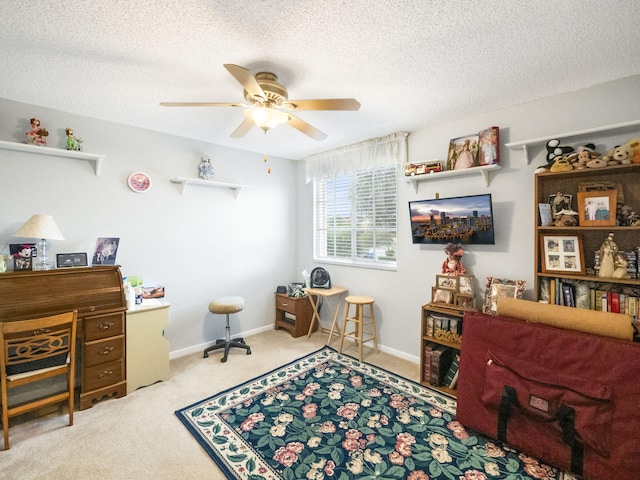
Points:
(139, 436)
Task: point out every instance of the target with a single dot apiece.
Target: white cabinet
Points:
(147, 349)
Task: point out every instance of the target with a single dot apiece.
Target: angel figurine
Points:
(205, 168)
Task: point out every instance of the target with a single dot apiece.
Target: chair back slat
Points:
(33, 350)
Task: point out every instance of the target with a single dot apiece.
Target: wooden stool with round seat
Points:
(221, 306)
(360, 321)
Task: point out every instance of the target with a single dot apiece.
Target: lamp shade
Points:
(265, 117)
(40, 226)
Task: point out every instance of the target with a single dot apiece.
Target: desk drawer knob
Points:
(105, 374)
(285, 304)
(105, 325)
(106, 350)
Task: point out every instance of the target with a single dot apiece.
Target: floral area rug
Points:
(328, 416)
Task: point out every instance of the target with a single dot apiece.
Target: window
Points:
(354, 218)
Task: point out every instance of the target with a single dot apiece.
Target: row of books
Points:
(583, 295)
(441, 365)
(442, 322)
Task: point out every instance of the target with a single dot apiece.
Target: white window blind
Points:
(355, 206)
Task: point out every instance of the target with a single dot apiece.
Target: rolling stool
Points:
(227, 305)
(360, 320)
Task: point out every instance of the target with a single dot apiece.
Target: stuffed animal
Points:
(554, 149)
(634, 145)
(620, 154)
(585, 154)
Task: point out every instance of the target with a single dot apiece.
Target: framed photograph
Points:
(23, 250)
(603, 186)
(489, 146)
(65, 260)
(597, 208)
(463, 153)
(106, 251)
(500, 287)
(561, 253)
(139, 182)
(441, 296)
(22, 263)
(447, 282)
(465, 301)
(465, 284)
(545, 214)
(559, 202)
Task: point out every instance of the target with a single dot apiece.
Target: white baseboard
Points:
(200, 347)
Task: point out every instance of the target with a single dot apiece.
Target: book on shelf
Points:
(426, 374)
(451, 376)
(440, 362)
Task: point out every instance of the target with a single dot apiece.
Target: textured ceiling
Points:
(410, 63)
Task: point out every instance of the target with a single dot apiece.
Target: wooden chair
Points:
(33, 350)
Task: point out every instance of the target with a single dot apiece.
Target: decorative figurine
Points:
(205, 168)
(37, 135)
(453, 264)
(73, 143)
(621, 264)
(608, 253)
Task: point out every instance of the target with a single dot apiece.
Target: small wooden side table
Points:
(326, 293)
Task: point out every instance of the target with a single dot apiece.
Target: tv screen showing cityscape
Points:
(467, 220)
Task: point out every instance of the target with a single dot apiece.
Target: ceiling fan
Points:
(265, 97)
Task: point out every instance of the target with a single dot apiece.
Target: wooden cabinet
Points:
(98, 296)
(440, 327)
(293, 314)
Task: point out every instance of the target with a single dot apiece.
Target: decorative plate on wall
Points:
(139, 182)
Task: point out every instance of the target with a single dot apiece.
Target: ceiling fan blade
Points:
(305, 128)
(327, 104)
(243, 128)
(201, 104)
(247, 80)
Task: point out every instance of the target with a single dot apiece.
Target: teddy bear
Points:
(585, 154)
(634, 145)
(554, 149)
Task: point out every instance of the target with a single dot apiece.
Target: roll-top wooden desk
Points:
(97, 294)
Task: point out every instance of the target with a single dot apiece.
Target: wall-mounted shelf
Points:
(208, 183)
(523, 145)
(483, 170)
(55, 152)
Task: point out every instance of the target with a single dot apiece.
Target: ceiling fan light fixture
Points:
(266, 118)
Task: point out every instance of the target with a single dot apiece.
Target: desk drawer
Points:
(285, 303)
(102, 375)
(102, 351)
(103, 326)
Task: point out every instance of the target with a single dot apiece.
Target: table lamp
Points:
(43, 227)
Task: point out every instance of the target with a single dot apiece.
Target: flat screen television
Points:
(467, 220)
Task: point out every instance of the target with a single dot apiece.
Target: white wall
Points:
(399, 295)
(206, 243)
(200, 245)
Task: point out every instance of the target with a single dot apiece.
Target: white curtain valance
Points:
(376, 152)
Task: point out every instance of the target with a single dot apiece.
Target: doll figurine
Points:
(453, 264)
(73, 143)
(37, 135)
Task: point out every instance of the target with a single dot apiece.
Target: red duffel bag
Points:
(570, 399)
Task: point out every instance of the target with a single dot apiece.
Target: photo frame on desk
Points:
(68, 260)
